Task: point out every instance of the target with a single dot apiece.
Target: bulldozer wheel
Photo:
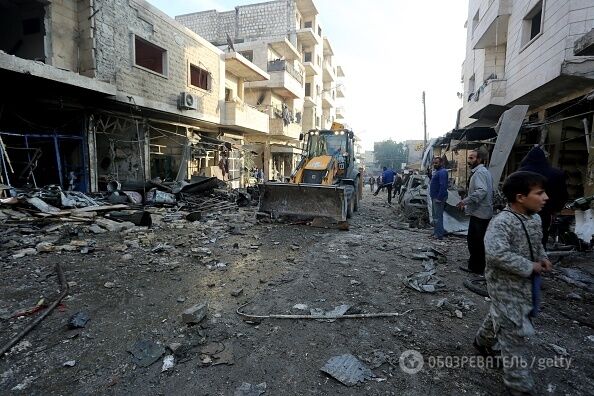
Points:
(356, 196)
(350, 207)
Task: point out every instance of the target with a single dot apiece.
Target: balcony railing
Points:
(281, 65)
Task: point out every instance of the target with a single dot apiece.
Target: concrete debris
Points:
(145, 352)
(246, 389)
(301, 307)
(78, 320)
(577, 278)
(109, 285)
(168, 363)
(237, 292)
(425, 281)
(69, 363)
(195, 314)
(559, 350)
(337, 311)
(347, 369)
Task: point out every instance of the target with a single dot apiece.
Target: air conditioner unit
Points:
(187, 101)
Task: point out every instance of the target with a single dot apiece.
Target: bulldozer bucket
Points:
(304, 200)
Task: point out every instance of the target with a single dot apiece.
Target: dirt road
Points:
(135, 285)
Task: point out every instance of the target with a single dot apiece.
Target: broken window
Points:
(199, 77)
(532, 23)
(22, 32)
(150, 56)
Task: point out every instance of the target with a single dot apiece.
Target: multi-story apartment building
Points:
(121, 91)
(285, 38)
(536, 53)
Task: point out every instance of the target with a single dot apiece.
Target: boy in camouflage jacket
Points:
(515, 258)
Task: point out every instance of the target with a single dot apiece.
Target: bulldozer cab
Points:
(336, 144)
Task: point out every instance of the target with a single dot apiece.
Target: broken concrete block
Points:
(24, 252)
(110, 225)
(95, 229)
(45, 247)
(195, 314)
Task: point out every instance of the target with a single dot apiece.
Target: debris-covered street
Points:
(130, 288)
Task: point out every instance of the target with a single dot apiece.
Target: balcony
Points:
(340, 91)
(339, 113)
(278, 129)
(309, 101)
(329, 73)
(487, 102)
(491, 30)
(339, 71)
(285, 80)
(327, 99)
(308, 37)
(242, 117)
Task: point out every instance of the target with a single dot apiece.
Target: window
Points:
(319, 31)
(307, 56)
(307, 89)
(249, 55)
(228, 95)
(150, 56)
(532, 23)
(199, 78)
(31, 26)
(308, 24)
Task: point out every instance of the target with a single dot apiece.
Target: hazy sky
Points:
(390, 50)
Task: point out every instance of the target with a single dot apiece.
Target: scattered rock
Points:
(168, 363)
(95, 229)
(127, 257)
(181, 299)
(69, 363)
(24, 252)
(347, 369)
(237, 292)
(146, 352)
(195, 314)
(45, 247)
(109, 285)
(246, 389)
(78, 320)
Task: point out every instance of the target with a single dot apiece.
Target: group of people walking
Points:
(389, 180)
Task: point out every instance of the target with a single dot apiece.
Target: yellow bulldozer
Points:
(326, 183)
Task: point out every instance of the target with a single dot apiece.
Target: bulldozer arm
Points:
(304, 200)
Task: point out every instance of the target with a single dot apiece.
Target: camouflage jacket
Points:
(509, 265)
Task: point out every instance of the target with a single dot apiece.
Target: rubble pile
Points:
(49, 219)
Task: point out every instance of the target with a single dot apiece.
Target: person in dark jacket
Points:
(387, 181)
(438, 191)
(555, 187)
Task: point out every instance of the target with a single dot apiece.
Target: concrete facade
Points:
(130, 124)
(536, 53)
(511, 58)
(284, 38)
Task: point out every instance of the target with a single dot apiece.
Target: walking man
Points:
(438, 191)
(479, 205)
(387, 181)
(397, 185)
(371, 182)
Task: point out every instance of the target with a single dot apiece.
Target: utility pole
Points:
(424, 123)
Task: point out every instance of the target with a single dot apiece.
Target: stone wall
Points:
(117, 24)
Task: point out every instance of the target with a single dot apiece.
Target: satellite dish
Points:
(230, 46)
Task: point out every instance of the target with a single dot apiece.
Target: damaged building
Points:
(104, 90)
(540, 55)
(285, 38)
